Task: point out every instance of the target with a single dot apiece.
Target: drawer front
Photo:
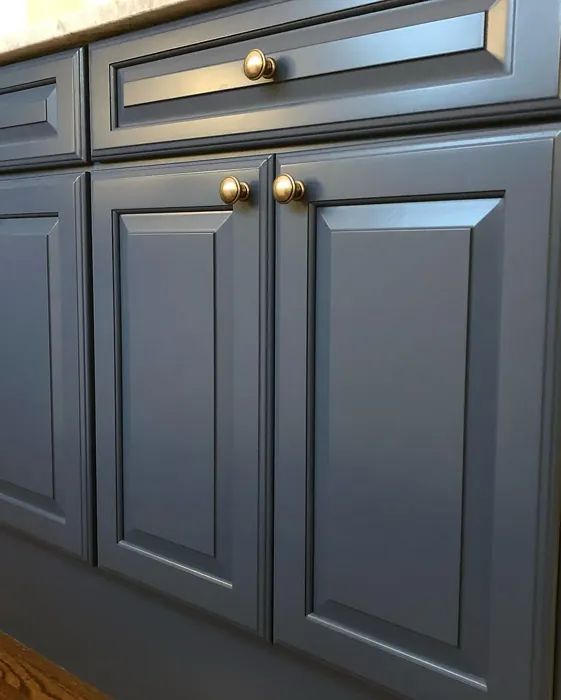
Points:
(336, 62)
(410, 537)
(42, 111)
(44, 426)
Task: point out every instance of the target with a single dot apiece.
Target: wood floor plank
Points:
(26, 675)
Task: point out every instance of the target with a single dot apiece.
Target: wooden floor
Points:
(25, 675)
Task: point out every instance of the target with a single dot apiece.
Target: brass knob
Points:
(232, 190)
(256, 65)
(287, 189)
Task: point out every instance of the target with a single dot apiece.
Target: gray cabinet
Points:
(44, 426)
(337, 63)
(411, 351)
(180, 342)
(42, 111)
(334, 420)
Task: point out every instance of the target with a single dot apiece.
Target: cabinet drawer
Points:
(183, 84)
(41, 111)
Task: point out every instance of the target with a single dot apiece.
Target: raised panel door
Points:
(411, 297)
(181, 320)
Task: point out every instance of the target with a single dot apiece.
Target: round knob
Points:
(287, 189)
(256, 65)
(232, 190)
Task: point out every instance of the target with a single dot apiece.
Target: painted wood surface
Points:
(42, 111)
(45, 460)
(338, 63)
(181, 383)
(411, 298)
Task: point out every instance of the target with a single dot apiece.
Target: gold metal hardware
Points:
(232, 190)
(287, 189)
(256, 65)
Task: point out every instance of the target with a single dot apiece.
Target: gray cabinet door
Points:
(180, 319)
(44, 455)
(411, 301)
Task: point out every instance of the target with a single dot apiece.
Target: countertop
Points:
(29, 30)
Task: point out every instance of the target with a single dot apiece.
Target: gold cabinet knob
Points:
(232, 190)
(256, 65)
(287, 189)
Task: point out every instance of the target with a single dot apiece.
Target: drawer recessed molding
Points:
(480, 31)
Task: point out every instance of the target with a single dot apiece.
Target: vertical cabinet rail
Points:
(411, 298)
(44, 431)
(180, 318)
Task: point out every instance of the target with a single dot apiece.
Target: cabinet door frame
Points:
(519, 169)
(66, 521)
(190, 187)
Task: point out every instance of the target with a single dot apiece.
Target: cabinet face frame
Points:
(229, 574)
(56, 506)
(516, 173)
(178, 87)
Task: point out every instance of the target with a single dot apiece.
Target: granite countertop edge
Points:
(78, 28)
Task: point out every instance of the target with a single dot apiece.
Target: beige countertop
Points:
(32, 27)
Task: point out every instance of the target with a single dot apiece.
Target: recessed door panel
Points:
(168, 360)
(42, 112)
(179, 302)
(409, 364)
(25, 354)
(390, 362)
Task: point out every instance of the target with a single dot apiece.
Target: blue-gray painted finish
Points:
(180, 319)
(183, 87)
(44, 430)
(134, 645)
(411, 297)
(389, 413)
(25, 354)
(168, 356)
(349, 47)
(42, 111)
